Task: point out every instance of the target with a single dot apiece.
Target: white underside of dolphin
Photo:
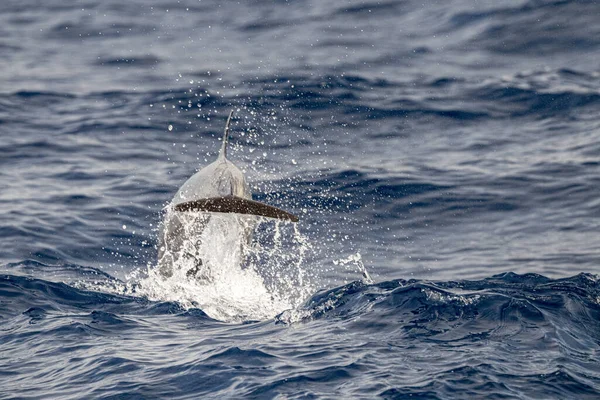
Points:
(222, 187)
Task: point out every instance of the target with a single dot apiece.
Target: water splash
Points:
(235, 268)
(355, 262)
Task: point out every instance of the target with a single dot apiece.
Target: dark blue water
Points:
(452, 149)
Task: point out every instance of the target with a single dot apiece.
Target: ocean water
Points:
(443, 158)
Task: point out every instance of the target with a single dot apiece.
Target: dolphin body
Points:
(220, 187)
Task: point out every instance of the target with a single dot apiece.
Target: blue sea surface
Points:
(443, 158)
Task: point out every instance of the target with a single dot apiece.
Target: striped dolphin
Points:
(220, 187)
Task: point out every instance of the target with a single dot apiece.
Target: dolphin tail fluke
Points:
(238, 205)
(223, 152)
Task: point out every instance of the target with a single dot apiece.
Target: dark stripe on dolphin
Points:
(238, 205)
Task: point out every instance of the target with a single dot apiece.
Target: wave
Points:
(424, 305)
(492, 337)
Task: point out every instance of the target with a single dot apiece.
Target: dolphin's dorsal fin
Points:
(223, 152)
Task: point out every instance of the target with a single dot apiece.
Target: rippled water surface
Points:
(443, 158)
